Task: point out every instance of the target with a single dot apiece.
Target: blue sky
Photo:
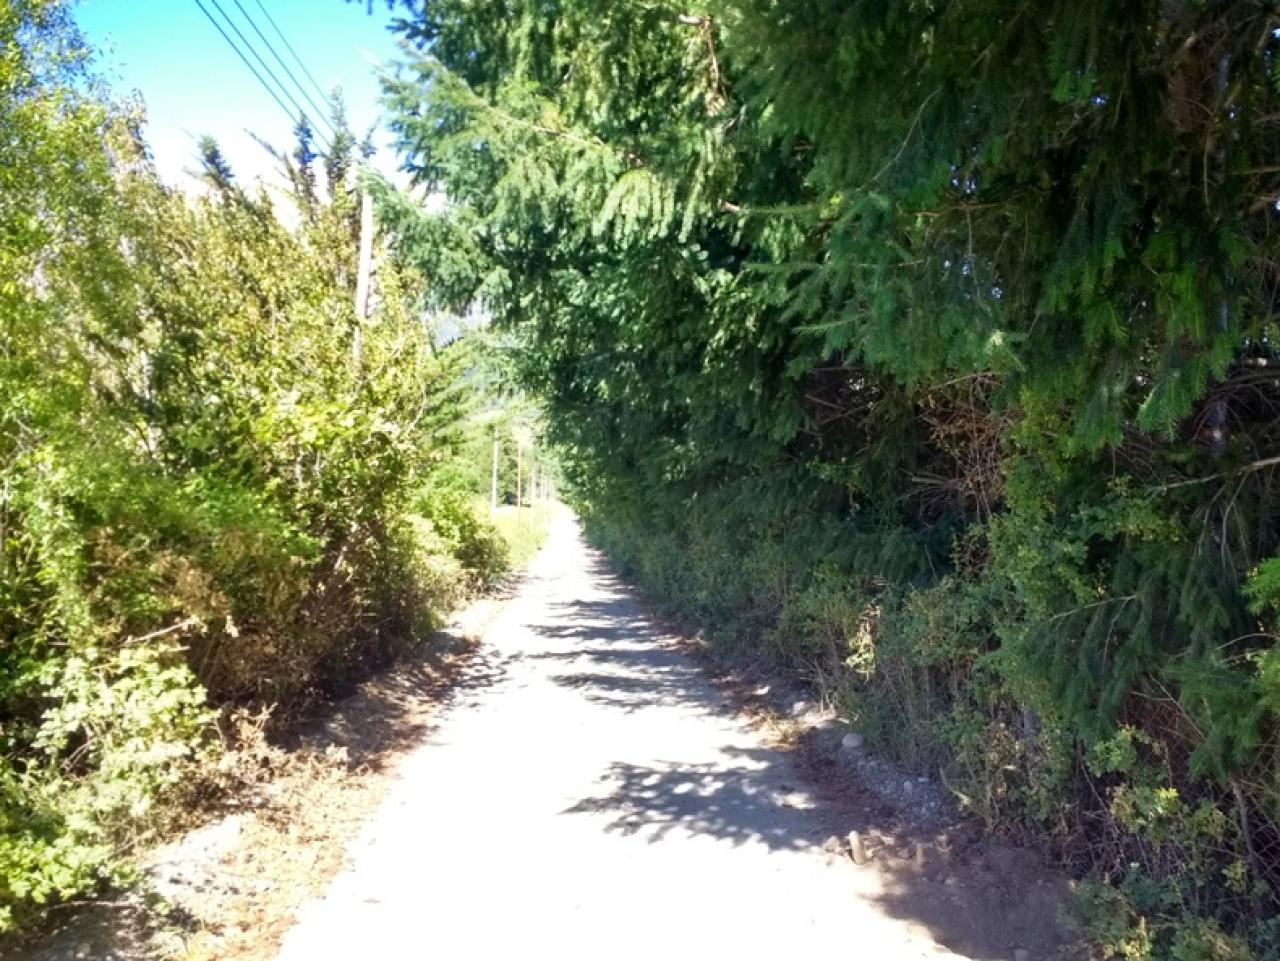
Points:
(193, 83)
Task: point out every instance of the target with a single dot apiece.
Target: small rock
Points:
(907, 787)
(922, 780)
(858, 848)
(951, 882)
(852, 741)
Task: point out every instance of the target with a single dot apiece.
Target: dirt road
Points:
(591, 795)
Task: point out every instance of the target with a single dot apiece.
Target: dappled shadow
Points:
(981, 914)
(633, 678)
(637, 691)
(969, 893)
(621, 658)
(608, 651)
(396, 708)
(600, 621)
(739, 799)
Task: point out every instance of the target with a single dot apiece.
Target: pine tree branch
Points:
(1246, 469)
(907, 139)
(182, 625)
(480, 103)
(704, 25)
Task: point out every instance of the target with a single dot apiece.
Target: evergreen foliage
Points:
(946, 330)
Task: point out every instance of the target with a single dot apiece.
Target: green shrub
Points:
(477, 544)
(208, 494)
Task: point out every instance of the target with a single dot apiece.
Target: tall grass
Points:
(524, 529)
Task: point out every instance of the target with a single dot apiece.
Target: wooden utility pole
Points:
(519, 476)
(363, 270)
(493, 481)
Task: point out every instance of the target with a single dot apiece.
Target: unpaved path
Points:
(596, 797)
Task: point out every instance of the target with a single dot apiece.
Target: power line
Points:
(322, 112)
(288, 46)
(252, 69)
(270, 73)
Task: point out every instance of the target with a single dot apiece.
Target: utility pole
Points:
(493, 482)
(519, 476)
(364, 269)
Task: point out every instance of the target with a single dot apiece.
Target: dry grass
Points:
(332, 780)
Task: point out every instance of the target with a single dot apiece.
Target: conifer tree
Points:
(965, 308)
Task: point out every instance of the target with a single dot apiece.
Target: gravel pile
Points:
(919, 799)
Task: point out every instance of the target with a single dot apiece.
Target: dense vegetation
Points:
(209, 494)
(947, 330)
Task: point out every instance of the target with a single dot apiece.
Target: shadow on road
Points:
(395, 709)
(737, 799)
(971, 901)
(621, 659)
